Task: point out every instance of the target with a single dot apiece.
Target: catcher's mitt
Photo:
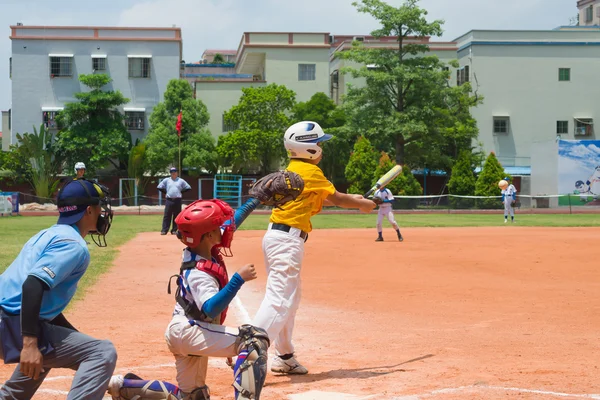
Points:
(277, 188)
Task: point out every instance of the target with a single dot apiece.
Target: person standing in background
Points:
(79, 170)
(173, 188)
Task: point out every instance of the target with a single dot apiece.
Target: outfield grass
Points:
(15, 231)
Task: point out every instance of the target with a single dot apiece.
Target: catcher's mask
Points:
(203, 216)
(76, 196)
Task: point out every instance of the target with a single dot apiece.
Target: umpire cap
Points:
(74, 198)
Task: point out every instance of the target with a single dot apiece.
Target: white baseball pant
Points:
(508, 208)
(193, 344)
(385, 210)
(283, 253)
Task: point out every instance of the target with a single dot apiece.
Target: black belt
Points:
(287, 228)
(173, 198)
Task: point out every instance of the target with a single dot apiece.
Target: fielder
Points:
(386, 198)
(38, 286)
(196, 331)
(509, 196)
(283, 243)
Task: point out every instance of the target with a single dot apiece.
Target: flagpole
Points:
(179, 136)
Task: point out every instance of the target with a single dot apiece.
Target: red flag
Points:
(178, 126)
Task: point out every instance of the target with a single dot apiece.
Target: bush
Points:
(462, 181)
(362, 163)
(487, 183)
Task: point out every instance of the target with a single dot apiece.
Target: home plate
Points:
(318, 395)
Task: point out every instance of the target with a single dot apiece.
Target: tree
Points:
(92, 129)
(362, 163)
(406, 106)
(34, 159)
(219, 59)
(261, 117)
(201, 152)
(322, 110)
(462, 181)
(162, 142)
(487, 183)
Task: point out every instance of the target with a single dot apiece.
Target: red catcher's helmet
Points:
(203, 216)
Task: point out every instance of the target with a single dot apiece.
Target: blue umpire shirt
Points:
(58, 256)
(174, 187)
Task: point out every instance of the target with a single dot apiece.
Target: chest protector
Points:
(216, 270)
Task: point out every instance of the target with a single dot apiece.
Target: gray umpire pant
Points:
(93, 359)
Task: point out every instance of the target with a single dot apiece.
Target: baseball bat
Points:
(385, 179)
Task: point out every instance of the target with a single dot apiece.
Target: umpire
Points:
(36, 288)
(173, 188)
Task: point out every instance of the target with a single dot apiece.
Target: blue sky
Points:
(220, 23)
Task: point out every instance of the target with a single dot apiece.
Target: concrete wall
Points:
(5, 131)
(219, 97)
(33, 88)
(544, 170)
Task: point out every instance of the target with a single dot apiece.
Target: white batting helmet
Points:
(301, 140)
(79, 165)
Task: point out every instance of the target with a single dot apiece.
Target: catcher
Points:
(203, 294)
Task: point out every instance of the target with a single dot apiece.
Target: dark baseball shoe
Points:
(163, 233)
(400, 238)
(379, 239)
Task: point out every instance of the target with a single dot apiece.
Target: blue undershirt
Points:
(219, 302)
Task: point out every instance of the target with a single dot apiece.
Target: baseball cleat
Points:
(163, 233)
(400, 238)
(379, 239)
(289, 366)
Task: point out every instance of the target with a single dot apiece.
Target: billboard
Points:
(9, 203)
(579, 171)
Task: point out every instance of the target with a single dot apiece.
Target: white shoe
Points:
(290, 366)
(505, 221)
(114, 387)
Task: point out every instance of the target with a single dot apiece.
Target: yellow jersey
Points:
(317, 188)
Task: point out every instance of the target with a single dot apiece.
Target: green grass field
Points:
(15, 231)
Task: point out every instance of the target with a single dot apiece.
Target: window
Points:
(562, 127)
(500, 125)
(307, 72)
(61, 66)
(134, 120)
(228, 126)
(139, 67)
(584, 126)
(50, 119)
(10, 68)
(99, 64)
(462, 75)
(589, 14)
(564, 74)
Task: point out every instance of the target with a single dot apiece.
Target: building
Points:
(300, 61)
(47, 60)
(446, 51)
(229, 56)
(589, 12)
(535, 86)
(6, 130)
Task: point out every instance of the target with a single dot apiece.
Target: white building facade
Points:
(46, 63)
(537, 87)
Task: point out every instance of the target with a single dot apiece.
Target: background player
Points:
(79, 170)
(203, 296)
(509, 196)
(38, 286)
(283, 243)
(386, 199)
(173, 188)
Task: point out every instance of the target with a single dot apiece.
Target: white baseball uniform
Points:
(385, 209)
(508, 194)
(193, 344)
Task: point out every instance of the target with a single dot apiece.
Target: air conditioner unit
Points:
(359, 38)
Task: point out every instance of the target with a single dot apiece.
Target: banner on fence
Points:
(9, 203)
(579, 170)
